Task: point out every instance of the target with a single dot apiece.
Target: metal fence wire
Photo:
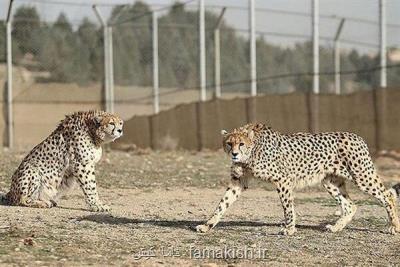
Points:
(2, 43)
(58, 52)
(61, 58)
(62, 50)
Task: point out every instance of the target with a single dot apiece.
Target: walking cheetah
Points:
(67, 155)
(299, 160)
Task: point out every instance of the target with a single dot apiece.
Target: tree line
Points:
(74, 53)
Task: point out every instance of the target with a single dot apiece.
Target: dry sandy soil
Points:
(157, 199)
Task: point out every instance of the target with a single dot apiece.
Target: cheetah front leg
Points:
(231, 195)
(86, 178)
(285, 191)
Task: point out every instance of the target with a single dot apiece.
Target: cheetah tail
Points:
(395, 191)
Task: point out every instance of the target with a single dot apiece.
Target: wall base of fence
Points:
(370, 114)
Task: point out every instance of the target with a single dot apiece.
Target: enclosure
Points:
(145, 57)
(177, 73)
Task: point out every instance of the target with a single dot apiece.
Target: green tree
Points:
(2, 42)
(132, 45)
(366, 79)
(65, 56)
(90, 42)
(26, 29)
(76, 55)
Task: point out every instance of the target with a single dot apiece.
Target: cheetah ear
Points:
(224, 132)
(97, 120)
(251, 134)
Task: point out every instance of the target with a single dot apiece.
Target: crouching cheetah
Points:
(67, 155)
(299, 160)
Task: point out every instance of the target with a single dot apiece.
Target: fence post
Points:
(217, 55)
(336, 57)
(202, 47)
(315, 95)
(110, 69)
(217, 63)
(315, 34)
(382, 42)
(106, 63)
(156, 100)
(10, 120)
(253, 62)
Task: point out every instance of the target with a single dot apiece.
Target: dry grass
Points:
(157, 199)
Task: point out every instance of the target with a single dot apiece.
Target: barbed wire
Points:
(263, 33)
(177, 4)
(213, 6)
(263, 79)
(305, 36)
(74, 22)
(68, 3)
(123, 23)
(305, 14)
(139, 100)
(189, 26)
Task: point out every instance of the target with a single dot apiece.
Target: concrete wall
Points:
(372, 114)
(39, 107)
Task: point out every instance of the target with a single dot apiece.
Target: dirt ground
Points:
(159, 197)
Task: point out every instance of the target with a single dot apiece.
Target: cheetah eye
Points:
(229, 144)
(112, 123)
(241, 144)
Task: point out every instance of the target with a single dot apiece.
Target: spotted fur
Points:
(68, 155)
(300, 160)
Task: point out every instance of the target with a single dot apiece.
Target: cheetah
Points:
(68, 155)
(299, 160)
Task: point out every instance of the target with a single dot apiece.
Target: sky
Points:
(266, 19)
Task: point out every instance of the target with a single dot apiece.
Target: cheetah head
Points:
(108, 127)
(238, 144)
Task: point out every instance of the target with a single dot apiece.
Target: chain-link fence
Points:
(57, 67)
(2, 43)
(393, 37)
(234, 49)
(59, 53)
(133, 57)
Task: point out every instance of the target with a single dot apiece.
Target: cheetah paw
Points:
(100, 208)
(394, 230)
(203, 228)
(53, 203)
(330, 228)
(338, 213)
(334, 228)
(288, 231)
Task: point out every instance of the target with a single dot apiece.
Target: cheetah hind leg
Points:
(374, 187)
(393, 196)
(336, 187)
(68, 183)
